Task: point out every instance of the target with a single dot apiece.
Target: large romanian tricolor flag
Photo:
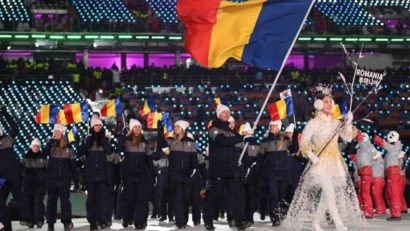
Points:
(75, 113)
(257, 32)
(112, 108)
(281, 109)
(149, 106)
(47, 114)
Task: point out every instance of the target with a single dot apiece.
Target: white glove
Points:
(312, 157)
(349, 117)
(401, 155)
(1, 226)
(166, 150)
(377, 156)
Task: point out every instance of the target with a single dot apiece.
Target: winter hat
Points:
(393, 137)
(277, 123)
(95, 120)
(35, 142)
(318, 104)
(134, 122)
(290, 128)
(59, 127)
(365, 137)
(182, 123)
(231, 119)
(220, 109)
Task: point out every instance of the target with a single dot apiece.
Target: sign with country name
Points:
(368, 77)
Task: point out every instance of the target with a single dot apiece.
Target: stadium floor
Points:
(378, 223)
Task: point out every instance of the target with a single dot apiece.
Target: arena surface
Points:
(378, 223)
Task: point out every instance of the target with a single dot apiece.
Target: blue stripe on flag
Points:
(290, 110)
(277, 25)
(118, 108)
(84, 111)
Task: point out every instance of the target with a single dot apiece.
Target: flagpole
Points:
(275, 81)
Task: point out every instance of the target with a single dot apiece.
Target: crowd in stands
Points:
(393, 21)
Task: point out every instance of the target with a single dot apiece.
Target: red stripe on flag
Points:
(273, 111)
(104, 110)
(38, 116)
(68, 114)
(199, 17)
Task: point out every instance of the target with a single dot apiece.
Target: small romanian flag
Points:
(152, 119)
(281, 109)
(112, 108)
(76, 113)
(149, 106)
(166, 121)
(71, 134)
(47, 114)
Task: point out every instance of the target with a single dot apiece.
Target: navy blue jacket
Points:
(61, 163)
(223, 155)
(35, 168)
(94, 151)
(9, 164)
(274, 158)
(137, 165)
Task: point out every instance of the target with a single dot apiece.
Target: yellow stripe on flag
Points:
(61, 118)
(336, 112)
(111, 108)
(281, 105)
(76, 112)
(230, 18)
(70, 136)
(45, 114)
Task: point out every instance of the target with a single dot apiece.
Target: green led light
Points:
(91, 36)
(365, 39)
(336, 39)
(304, 39)
(56, 36)
(125, 36)
(397, 39)
(5, 35)
(320, 39)
(141, 37)
(21, 36)
(38, 36)
(73, 36)
(382, 39)
(158, 37)
(107, 36)
(351, 39)
(175, 38)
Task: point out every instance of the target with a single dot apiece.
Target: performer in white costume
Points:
(326, 185)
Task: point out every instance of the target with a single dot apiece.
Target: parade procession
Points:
(204, 115)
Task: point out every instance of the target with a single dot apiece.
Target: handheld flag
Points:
(166, 121)
(287, 96)
(112, 108)
(153, 118)
(280, 109)
(256, 32)
(47, 114)
(149, 106)
(71, 134)
(76, 113)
